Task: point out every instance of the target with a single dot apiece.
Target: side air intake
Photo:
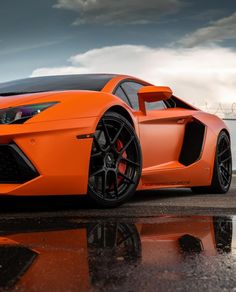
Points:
(193, 143)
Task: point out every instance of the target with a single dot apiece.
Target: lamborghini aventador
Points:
(106, 136)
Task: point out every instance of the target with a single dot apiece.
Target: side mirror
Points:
(152, 94)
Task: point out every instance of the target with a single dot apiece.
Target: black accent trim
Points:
(15, 167)
(15, 261)
(193, 143)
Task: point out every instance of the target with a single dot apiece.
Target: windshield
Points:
(94, 82)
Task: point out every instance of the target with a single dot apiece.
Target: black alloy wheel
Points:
(115, 164)
(222, 173)
(115, 239)
(114, 249)
(223, 227)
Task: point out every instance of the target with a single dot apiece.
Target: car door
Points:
(161, 132)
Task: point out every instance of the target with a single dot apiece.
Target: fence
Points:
(225, 111)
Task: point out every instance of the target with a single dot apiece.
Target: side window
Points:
(158, 105)
(131, 89)
(120, 93)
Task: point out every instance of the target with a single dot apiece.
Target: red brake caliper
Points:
(122, 165)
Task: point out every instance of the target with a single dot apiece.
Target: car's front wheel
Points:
(115, 164)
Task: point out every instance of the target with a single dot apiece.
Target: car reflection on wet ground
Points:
(164, 253)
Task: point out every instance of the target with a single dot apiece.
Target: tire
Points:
(222, 172)
(115, 163)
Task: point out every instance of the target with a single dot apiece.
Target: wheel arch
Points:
(122, 111)
(227, 132)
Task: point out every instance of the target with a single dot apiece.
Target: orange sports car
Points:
(106, 136)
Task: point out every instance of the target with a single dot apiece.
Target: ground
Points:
(166, 240)
(143, 204)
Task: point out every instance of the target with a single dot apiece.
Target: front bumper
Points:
(53, 160)
(15, 167)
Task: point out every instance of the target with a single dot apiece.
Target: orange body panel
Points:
(50, 141)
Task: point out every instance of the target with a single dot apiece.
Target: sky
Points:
(185, 44)
(189, 45)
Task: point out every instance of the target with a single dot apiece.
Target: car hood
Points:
(16, 100)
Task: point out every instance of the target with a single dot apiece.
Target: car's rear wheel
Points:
(115, 164)
(222, 173)
(223, 227)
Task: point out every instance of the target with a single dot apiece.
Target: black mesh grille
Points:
(15, 166)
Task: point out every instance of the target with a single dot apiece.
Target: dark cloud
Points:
(216, 31)
(119, 12)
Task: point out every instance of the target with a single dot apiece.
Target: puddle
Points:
(159, 254)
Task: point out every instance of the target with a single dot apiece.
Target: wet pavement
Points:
(168, 240)
(165, 253)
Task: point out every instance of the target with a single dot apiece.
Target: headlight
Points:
(20, 114)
